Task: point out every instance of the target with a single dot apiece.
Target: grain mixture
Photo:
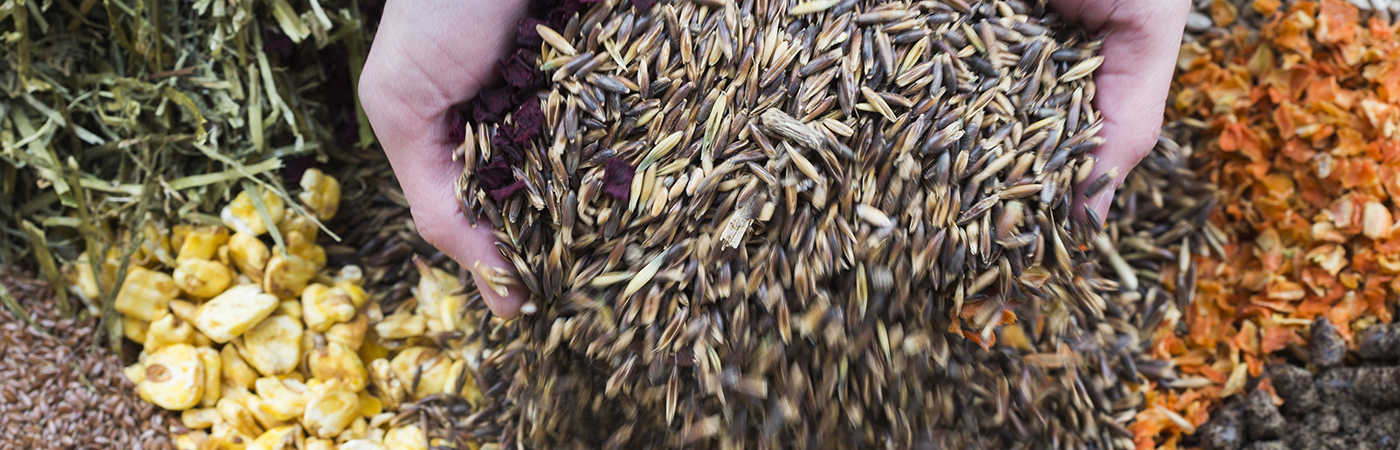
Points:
(797, 224)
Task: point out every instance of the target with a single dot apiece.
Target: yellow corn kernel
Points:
(145, 293)
(254, 405)
(273, 347)
(233, 312)
(202, 242)
(295, 221)
(324, 306)
(242, 215)
(194, 440)
(433, 365)
(289, 308)
(134, 329)
(460, 381)
(202, 278)
(200, 340)
(402, 324)
(336, 362)
(391, 391)
(174, 378)
(331, 409)
(200, 418)
(370, 405)
(248, 253)
(319, 444)
(167, 330)
(286, 276)
(282, 399)
(81, 276)
(226, 437)
(433, 291)
(362, 444)
(213, 373)
(233, 413)
(279, 438)
(135, 372)
(320, 193)
(407, 437)
(304, 246)
(358, 427)
(350, 334)
(236, 371)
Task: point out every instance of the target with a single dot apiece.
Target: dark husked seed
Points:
(804, 224)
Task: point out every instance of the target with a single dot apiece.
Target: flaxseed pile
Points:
(804, 224)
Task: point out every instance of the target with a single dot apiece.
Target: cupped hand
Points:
(429, 56)
(1141, 41)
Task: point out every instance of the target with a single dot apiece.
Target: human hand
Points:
(1141, 41)
(427, 57)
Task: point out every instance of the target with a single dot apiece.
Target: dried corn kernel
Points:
(295, 221)
(145, 293)
(279, 438)
(282, 399)
(425, 365)
(324, 306)
(213, 365)
(320, 193)
(233, 312)
(289, 308)
(460, 381)
(236, 371)
(200, 418)
(370, 405)
(391, 391)
(184, 310)
(194, 440)
(242, 215)
(254, 405)
(273, 347)
(174, 377)
(407, 437)
(331, 409)
(167, 330)
(134, 329)
(334, 361)
(200, 340)
(248, 253)
(286, 276)
(435, 301)
(82, 278)
(202, 242)
(135, 372)
(202, 278)
(226, 437)
(359, 427)
(350, 334)
(233, 413)
(319, 444)
(362, 444)
(402, 324)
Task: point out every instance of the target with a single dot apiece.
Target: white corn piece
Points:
(145, 292)
(391, 391)
(200, 418)
(242, 215)
(361, 444)
(213, 374)
(174, 378)
(433, 292)
(134, 329)
(167, 330)
(233, 312)
(202, 242)
(255, 407)
(233, 413)
(283, 399)
(249, 254)
(334, 361)
(280, 438)
(406, 437)
(227, 437)
(350, 334)
(320, 193)
(402, 324)
(202, 278)
(323, 306)
(236, 371)
(433, 365)
(289, 308)
(331, 409)
(357, 428)
(273, 347)
(319, 444)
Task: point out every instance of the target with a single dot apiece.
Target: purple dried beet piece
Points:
(525, 34)
(643, 5)
(617, 178)
(503, 193)
(529, 117)
(490, 106)
(495, 175)
(520, 71)
(457, 126)
(511, 143)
